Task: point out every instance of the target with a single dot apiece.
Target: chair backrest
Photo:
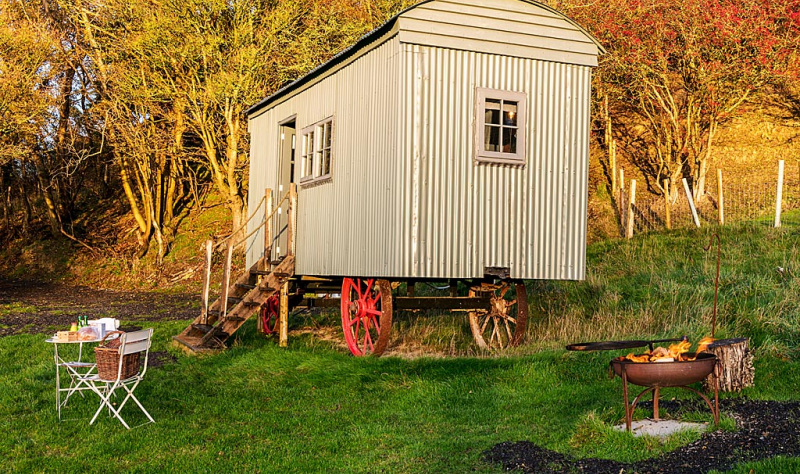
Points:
(135, 342)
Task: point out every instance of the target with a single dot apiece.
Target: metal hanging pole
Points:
(716, 280)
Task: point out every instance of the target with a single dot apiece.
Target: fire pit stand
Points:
(657, 375)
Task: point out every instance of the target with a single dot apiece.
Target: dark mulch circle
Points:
(764, 429)
(39, 308)
(160, 358)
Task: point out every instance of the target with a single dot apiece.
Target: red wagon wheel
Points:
(505, 323)
(270, 315)
(366, 315)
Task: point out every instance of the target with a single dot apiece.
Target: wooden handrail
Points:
(268, 217)
(291, 197)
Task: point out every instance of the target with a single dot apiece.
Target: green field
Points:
(314, 408)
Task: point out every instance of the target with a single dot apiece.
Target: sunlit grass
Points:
(435, 404)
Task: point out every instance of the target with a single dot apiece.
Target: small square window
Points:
(500, 128)
(317, 151)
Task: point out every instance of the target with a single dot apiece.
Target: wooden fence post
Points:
(631, 202)
(667, 210)
(721, 198)
(284, 316)
(226, 278)
(621, 201)
(206, 281)
(779, 196)
(612, 157)
(691, 202)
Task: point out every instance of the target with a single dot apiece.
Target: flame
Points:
(675, 352)
(638, 358)
(704, 343)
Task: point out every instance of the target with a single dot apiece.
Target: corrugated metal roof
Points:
(370, 38)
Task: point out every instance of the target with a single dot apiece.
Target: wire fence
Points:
(749, 203)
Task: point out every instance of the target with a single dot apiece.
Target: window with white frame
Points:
(500, 126)
(317, 151)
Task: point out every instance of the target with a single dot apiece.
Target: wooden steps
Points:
(209, 332)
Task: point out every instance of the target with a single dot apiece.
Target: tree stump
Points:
(734, 367)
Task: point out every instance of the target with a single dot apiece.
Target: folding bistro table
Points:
(74, 369)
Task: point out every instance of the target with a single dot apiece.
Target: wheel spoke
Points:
(372, 311)
(357, 287)
(354, 321)
(376, 299)
(503, 290)
(368, 291)
(367, 338)
(508, 329)
(485, 322)
(376, 324)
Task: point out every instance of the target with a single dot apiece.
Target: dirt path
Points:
(41, 308)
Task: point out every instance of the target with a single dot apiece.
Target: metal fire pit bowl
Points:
(656, 375)
(666, 374)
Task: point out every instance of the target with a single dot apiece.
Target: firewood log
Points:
(734, 367)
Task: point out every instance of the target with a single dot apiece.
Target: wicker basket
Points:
(107, 358)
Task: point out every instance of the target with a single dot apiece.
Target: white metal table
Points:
(74, 369)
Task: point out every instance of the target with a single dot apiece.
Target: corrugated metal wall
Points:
(345, 226)
(459, 217)
(407, 199)
(507, 27)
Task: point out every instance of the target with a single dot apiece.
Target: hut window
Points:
(500, 126)
(317, 150)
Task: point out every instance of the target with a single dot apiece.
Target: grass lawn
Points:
(314, 408)
(261, 408)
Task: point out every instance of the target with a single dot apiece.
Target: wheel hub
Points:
(501, 307)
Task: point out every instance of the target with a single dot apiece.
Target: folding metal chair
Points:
(130, 343)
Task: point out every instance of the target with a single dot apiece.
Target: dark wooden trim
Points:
(442, 302)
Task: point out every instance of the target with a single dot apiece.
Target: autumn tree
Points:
(37, 74)
(244, 50)
(677, 70)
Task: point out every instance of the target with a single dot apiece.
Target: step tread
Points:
(204, 328)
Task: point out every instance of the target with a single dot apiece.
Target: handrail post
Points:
(268, 226)
(291, 231)
(206, 281)
(226, 279)
(283, 335)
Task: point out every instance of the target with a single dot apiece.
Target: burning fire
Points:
(675, 353)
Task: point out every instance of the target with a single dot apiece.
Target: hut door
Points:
(285, 178)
